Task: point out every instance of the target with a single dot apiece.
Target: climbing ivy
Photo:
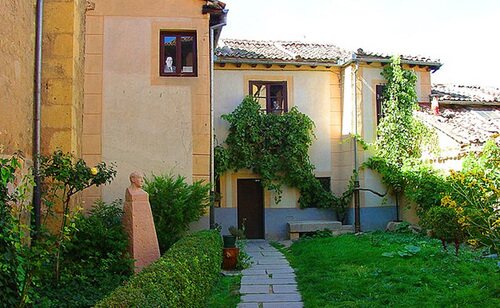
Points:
(401, 137)
(275, 147)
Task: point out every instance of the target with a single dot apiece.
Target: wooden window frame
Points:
(268, 85)
(178, 54)
(379, 98)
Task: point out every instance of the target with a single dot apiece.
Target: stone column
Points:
(139, 225)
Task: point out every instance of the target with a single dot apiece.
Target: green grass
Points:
(225, 293)
(350, 271)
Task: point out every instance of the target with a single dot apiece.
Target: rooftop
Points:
(470, 126)
(275, 52)
(461, 94)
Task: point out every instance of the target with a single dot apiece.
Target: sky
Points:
(463, 34)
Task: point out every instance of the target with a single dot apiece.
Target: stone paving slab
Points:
(248, 305)
(269, 281)
(268, 298)
(255, 289)
(283, 305)
(284, 276)
(285, 288)
(257, 280)
(271, 266)
(280, 271)
(252, 272)
(273, 261)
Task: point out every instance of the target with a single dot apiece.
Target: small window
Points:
(325, 183)
(379, 92)
(178, 53)
(271, 95)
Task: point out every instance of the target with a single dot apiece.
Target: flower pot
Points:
(230, 258)
(229, 241)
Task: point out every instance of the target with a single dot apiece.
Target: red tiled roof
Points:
(295, 51)
(467, 125)
(466, 94)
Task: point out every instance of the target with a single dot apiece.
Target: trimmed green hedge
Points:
(182, 277)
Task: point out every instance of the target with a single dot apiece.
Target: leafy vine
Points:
(275, 147)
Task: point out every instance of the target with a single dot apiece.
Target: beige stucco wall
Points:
(17, 29)
(144, 127)
(132, 116)
(369, 76)
(310, 91)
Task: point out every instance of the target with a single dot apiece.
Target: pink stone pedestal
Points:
(139, 225)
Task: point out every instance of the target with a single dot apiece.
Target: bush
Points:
(183, 277)
(175, 204)
(94, 262)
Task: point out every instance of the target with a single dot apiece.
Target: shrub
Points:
(183, 277)
(444, 223)
(175, 204)
(94, 261)
(425, 186)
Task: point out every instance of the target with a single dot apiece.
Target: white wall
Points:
(309, 91)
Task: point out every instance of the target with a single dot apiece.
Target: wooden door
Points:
(251, 207)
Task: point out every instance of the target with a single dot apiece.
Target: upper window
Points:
(271, 95)
(379, 92)
(178, 53)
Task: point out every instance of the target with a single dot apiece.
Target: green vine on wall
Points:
(400, 136)
(275, 147)
(401, 139)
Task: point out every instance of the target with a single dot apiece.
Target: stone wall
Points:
(17, 34)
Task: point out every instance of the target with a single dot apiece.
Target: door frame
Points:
(263, 218)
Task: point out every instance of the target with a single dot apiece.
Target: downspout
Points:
(212, 133)
(37, 192)
(357, 207)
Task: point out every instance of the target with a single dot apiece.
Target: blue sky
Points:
(463, 34)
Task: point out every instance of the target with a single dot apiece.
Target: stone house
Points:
(339, 90)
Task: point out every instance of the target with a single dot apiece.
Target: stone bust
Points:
(136, 182)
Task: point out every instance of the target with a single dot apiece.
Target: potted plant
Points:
(230, 251)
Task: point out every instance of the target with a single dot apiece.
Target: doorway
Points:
(251, 207)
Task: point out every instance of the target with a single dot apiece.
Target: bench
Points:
(295, 228)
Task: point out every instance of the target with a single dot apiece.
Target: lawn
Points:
(368, 271)
(225, 293)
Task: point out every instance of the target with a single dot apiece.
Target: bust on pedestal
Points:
(139, 225)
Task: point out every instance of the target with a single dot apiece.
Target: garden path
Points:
(270, 281)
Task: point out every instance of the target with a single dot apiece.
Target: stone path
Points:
(270, 281)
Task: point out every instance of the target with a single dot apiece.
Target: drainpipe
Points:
(37, 108)
(357, 207)
(212, 162)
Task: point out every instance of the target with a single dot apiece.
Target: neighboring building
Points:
(468, 116)
(338, 90)
(62, 78)
(147, 89)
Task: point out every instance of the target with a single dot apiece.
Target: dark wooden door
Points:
(251, 207)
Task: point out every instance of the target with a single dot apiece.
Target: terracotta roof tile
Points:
(360, 53)
(466, 94)
(467, 125)
(295, 51)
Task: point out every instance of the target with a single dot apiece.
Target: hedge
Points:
(182, 277)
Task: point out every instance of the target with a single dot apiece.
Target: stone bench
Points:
(295, 228)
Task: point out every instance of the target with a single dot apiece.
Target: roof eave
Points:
(220, 59)
(433, 65)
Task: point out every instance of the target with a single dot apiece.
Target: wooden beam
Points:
(238, 64)
(282, 65)
(253, 65)
(268, 65)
